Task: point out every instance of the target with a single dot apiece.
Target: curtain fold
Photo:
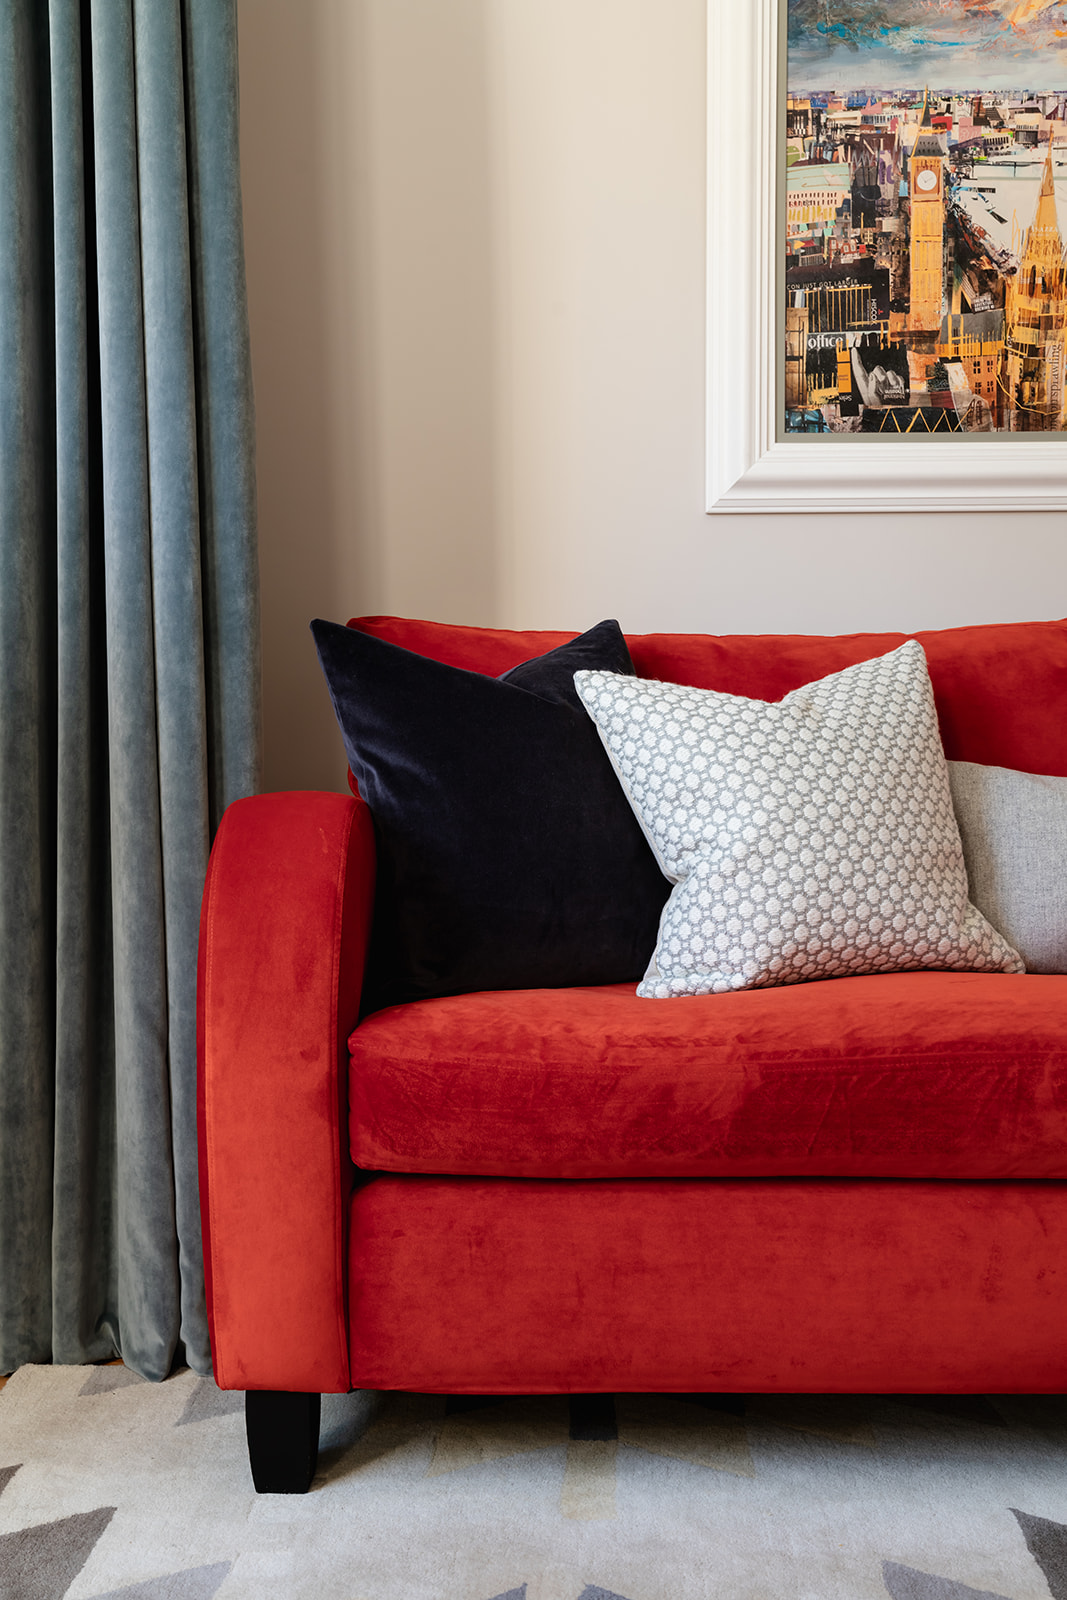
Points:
(129, 715)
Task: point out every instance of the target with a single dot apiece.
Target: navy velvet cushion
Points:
(508, 855)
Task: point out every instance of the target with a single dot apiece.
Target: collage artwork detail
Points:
(925, 183)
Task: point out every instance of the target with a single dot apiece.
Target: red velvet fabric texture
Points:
(470, 1284)
(284, 930)
(1001, 689)
(916, 1075)
(465, 1285)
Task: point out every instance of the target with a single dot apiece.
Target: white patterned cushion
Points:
(814, 838)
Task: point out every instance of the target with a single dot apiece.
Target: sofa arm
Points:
(283, 939)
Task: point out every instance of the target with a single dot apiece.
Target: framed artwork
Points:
(887, 288)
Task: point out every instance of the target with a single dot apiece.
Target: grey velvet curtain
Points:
(128, 651)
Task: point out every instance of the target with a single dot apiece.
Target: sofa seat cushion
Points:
(1000, 688)
(911, 1075)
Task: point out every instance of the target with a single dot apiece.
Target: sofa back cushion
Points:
(1000, 688)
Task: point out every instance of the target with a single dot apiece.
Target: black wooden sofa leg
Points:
(283, 1439)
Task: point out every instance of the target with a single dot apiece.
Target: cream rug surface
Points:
(112, 1487)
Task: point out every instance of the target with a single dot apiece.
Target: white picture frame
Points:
(749, 467)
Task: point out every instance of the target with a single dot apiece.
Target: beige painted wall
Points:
(475, 247)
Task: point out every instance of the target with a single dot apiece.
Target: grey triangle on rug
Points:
(41, 1562)
(199, 1583)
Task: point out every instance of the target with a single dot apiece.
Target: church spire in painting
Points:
(1045, 224)
(1035, 317)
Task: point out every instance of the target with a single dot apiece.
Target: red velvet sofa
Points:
(853, 1185)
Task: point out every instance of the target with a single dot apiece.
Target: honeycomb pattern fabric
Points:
(814, 838)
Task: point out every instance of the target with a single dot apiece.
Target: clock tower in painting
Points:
(926, 192)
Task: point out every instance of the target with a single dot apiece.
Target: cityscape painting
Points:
(926, 178)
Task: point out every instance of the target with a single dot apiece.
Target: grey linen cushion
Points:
(1014, 831)
(812, 838)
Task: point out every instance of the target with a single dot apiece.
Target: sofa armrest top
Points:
(283, 939)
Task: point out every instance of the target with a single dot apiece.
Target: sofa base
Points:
(466, 1285)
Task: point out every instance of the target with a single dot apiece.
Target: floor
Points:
(115, 1489)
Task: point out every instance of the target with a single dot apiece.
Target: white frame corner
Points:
(749, 469)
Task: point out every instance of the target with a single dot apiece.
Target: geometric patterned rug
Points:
(116, 1489)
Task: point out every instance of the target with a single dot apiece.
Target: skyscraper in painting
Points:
(925, 276)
